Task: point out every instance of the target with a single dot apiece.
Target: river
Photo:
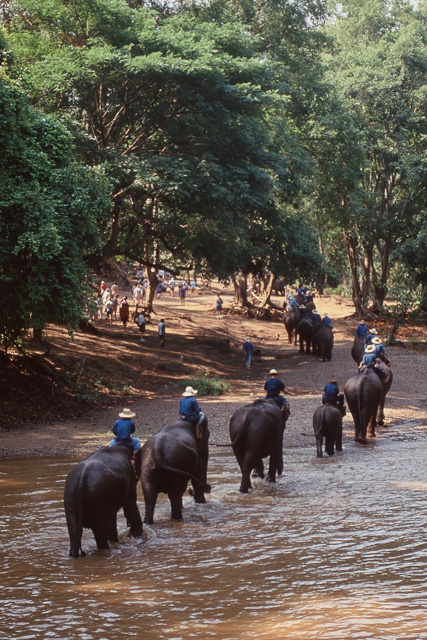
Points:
(337, 549)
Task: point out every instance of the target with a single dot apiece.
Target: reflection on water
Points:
(336, 549)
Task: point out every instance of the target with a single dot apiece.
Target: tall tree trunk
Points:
(350, 245)
(365, 268)
(379, 282)
(240, 290)
(268, 290)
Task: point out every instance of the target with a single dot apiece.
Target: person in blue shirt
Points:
(315, 316)
(332, 394)
(327, 321)
(189, 409)
(372, 333)
(361, 331)
(379, 349)
(369, 358)
(248, 349)
(274, 388)
(123, 429)
(292, 304)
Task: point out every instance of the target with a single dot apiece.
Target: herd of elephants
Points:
(99, 486)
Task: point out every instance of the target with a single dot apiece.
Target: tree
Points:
(50, 206)
(186, 115)
(379, 70)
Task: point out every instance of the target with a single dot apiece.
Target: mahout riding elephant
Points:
(256, 431)
(358, 349)
(95, 490)
(179, 452)
(291, 320)
(327, 423)
(364, 395)
(305, 333)
(323, 341)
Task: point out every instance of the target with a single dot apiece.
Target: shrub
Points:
(207, 386)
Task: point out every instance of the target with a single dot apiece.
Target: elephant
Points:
(323, 341)
(385, 374)
(179, 452)
(327, 423)
(305, 332)
(358, 349)
(291, 320)
(364, 395)
(256, 431)
(95, 489)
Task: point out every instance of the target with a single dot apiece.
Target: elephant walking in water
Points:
(364, 395)
(256, 431)
(95, 490)
(327, 424)
(179, 452)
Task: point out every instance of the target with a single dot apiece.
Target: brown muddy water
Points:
(337, 549)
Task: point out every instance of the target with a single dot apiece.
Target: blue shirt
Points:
(316, 317)
(189, 407)
(370, 338)
(369, 358)
(327, 323)
(361, 331)
(379, 350)
(123, 428)
(248, 347)
(331, 391)
(273, 387)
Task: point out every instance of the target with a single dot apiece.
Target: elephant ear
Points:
(202, 430)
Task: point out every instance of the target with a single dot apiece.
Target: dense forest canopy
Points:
(225, 136)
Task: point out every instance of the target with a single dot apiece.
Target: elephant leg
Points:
(198, 493)
(150, 499)
(338, 442)
(371, 426)
(246, 480)
(308, 346)
(329, 446)
(101, 537)
(258, 469)
(175, 500)
(380, 415)
(301, 345)
(319, 443)
(133, 518)
(76, 543)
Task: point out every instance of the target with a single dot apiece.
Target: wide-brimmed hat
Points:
(370, 348)
(189, 391)
(247, 339)
(362, 322)
(376, 340)
(273, 372)
(373, 331)
(314, 311)
(127, 413)
(326, 315)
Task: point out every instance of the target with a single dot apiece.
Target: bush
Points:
(207, 386)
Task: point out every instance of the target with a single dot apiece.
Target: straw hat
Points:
(127, 413)
(273, 372)
(376, 340)
(373, 331)
(370, 348)
(247, 339)
(189, 391)
(362, 322)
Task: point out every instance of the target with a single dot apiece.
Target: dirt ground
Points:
(67, 405)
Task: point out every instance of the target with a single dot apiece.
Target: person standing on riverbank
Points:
(162, 333)
(248, 349)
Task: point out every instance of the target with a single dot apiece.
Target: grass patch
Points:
(207, 386)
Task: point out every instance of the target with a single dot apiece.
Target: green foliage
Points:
(49, 205)
(207, 385)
